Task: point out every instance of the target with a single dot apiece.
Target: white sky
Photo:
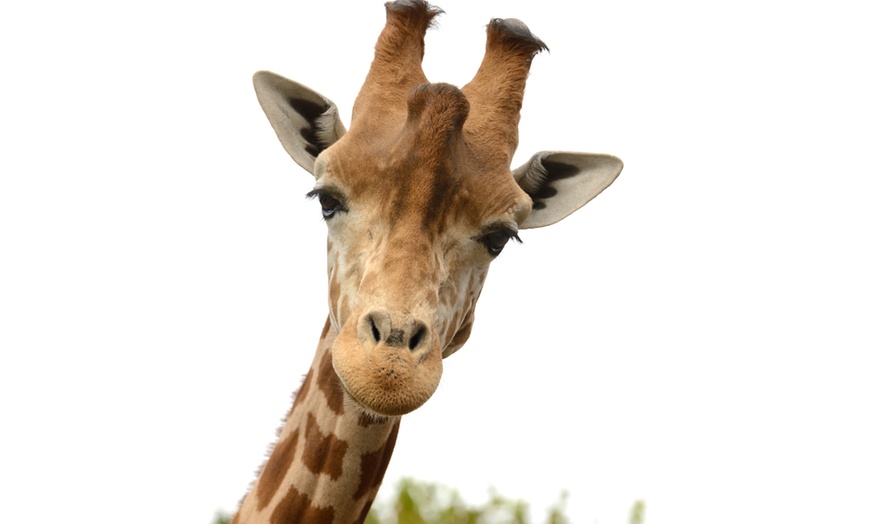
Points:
(697, 336)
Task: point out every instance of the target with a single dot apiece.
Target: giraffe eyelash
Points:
(496, 237)
(331, 201)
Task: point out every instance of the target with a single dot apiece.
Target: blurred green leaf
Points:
(416, 502)
(222, 518)
(637, 512)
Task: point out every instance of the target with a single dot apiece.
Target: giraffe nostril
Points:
(377, 328)
(416, 338)
(376, 334)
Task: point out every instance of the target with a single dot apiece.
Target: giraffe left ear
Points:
(561, 183)
(305, 121)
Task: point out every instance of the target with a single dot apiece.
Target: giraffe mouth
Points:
(385, 379)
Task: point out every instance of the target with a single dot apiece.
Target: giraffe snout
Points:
(390, 364)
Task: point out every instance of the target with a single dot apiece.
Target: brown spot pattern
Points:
(326, 328)
(438, 113)
(343, 309)
(328, 382)
(301, 393)
(296, 507)
(373, 465)
(276, 469)
(323, 454)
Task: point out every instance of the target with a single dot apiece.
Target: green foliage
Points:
(222, 518)
(556, 514)
(637, 512)
(423, 503)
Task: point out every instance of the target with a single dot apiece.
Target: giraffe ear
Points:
(561, 183)
(305, 121)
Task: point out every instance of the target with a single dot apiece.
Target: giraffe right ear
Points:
(305, 121)
(561, 183)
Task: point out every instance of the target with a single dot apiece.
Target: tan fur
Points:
(327, 451)
(413, 195)
(414, 174)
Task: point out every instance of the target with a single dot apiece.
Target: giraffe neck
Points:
(330, 457)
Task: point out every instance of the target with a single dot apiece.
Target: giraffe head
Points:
(418, 197)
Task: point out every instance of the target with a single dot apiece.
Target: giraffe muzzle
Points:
(389, 364)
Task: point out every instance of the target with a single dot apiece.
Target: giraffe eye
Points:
(497, 240)
(329, 204)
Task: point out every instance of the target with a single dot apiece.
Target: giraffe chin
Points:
(385, 380)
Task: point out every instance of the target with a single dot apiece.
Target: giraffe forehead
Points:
(405, 187)
(438, 202)
(424, 163)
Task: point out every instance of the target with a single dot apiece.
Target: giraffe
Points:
(418, 198)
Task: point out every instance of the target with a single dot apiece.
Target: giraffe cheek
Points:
(339, 309)
(340, 298)
(461, 337)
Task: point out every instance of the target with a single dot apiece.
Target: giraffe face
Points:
(411, 234)
(419, 198)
